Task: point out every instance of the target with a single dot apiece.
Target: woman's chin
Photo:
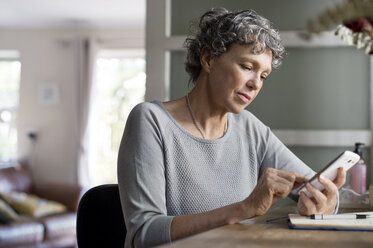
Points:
(237, 109)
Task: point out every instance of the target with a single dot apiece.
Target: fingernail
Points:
(322, 178)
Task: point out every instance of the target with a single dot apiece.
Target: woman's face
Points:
(236, 77)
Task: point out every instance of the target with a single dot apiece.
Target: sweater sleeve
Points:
(276, 155)
(141, 180)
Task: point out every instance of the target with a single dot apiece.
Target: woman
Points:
(203, 161)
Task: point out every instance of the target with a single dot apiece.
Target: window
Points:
(120, 85)
(10, 71)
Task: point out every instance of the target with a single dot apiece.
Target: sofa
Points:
(51, 230)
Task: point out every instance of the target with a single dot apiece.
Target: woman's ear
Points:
(206, 59)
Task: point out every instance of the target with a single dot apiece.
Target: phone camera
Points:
(349, 161)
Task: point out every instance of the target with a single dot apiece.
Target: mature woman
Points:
(203, 161)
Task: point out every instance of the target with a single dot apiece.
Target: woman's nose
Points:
(254, 82)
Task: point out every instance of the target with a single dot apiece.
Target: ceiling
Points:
(72, 13)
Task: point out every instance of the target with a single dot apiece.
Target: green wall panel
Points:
(285, 14)
(179, 78)
(318, 88)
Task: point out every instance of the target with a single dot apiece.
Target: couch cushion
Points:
(31, 204)
(21, 233)
(7, 214)
(60, 225)
(15, 178)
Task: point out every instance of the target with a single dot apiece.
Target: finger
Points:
(319, 197)
(307, 204)
(300, 180)
(296, 179)
(277, 179)
(282, 187)
(341, 177)
(330, 187)
(282, 182)
(290, 176)
(293, 177)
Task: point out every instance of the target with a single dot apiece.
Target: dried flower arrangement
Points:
(354, 21)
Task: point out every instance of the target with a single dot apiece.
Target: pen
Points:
(276, 219)
(340, 216)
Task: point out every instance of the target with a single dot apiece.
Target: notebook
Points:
(296, 221)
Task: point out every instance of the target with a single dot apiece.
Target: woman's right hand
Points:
(272, 186)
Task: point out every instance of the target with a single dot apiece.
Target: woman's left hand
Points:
(322, 202)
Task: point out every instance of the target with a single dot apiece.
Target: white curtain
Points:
(87, 51)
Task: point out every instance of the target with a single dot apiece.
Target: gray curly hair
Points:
(219, 28)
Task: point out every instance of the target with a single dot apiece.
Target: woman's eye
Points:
(246, 67)
(264, 77)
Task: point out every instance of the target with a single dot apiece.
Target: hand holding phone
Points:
(346, 160)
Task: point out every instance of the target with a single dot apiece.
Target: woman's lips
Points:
(244, 97)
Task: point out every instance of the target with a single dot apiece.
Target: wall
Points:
(51, 56)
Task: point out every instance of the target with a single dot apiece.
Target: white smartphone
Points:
(346, 160)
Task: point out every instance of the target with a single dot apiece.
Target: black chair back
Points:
(100, 221)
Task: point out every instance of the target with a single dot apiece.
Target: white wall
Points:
(51, 56)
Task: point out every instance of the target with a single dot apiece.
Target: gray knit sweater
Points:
(164, 171)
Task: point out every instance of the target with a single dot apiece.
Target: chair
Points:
(100, 221)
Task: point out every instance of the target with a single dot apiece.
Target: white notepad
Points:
(297, 221)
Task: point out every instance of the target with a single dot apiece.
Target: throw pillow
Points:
(7, 214)
(32, 205)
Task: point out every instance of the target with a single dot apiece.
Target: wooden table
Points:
(258, 233)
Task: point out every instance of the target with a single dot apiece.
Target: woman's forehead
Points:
(247, 52)
(250, 49)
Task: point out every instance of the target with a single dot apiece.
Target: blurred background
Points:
(70, 72)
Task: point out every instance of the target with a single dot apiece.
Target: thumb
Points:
(299, 180)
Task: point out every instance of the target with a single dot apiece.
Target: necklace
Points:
(195, 122)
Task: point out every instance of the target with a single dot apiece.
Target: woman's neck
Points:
(211, 119)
